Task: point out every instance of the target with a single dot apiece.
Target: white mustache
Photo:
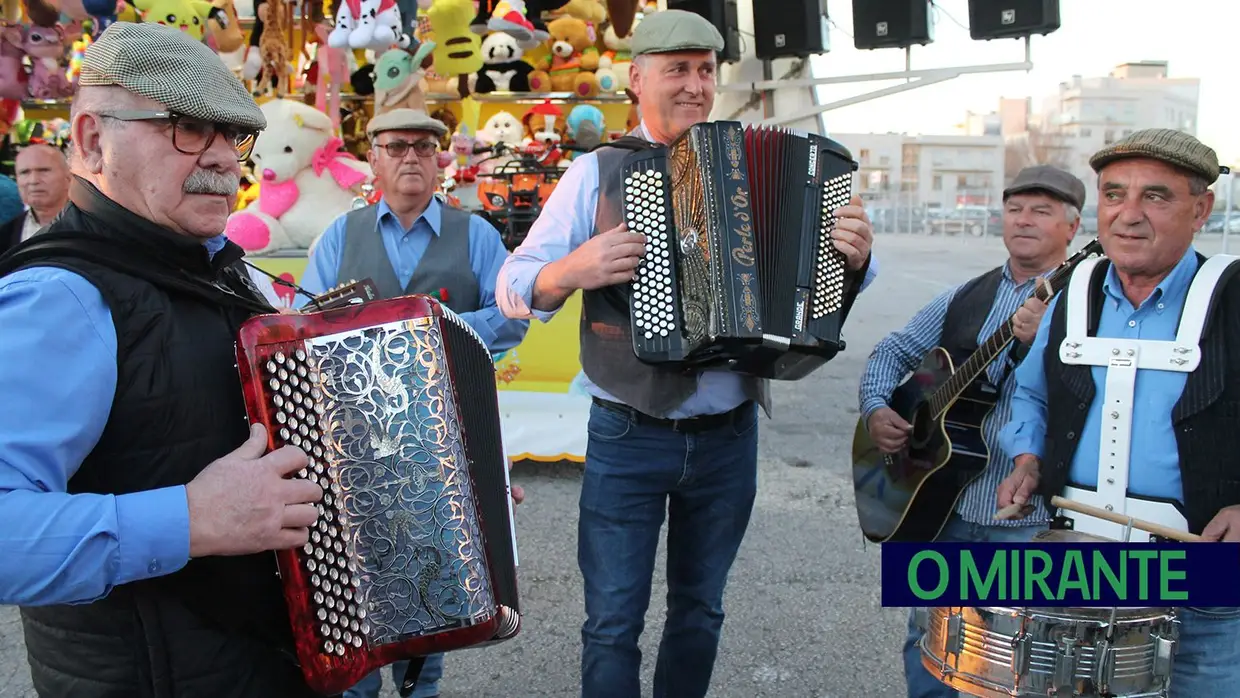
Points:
(208, 182)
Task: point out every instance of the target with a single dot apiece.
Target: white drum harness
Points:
(1123, 358)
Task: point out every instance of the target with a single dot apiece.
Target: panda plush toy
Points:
(503, 69)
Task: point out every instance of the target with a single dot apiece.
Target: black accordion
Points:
(740, 270)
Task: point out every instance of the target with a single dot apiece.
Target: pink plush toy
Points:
(46, 48)
(14, 81)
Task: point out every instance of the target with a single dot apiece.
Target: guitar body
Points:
(910, 495)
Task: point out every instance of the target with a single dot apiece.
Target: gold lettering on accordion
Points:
(744, 254)
(749, 303)
(734, 152)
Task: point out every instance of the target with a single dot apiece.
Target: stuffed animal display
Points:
(306, 180)
(369, 24)
(458, 49)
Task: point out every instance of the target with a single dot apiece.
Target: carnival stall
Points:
(524, 87)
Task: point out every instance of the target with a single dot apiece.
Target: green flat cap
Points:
(405, 120)
(675, 30)
(1165, 144)
(1062, 185)
(170, 67)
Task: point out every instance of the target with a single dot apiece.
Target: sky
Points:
(1197, 38)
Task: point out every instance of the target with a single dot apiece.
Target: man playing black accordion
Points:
(659, 439)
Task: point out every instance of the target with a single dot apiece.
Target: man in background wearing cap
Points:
(1041, 214)
(1153, 196)
(411, 242)
(137, 511)
(659, 440)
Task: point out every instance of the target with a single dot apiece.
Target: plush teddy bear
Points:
(306, 180)
(505, 71)
(570, 65)
(613, 65)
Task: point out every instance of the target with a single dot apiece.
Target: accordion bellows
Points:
(740, 269)
(395, 403)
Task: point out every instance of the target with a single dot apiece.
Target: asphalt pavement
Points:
(803, 605)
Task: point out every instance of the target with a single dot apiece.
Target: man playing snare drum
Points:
(1138, 332)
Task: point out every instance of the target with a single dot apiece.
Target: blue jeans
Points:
(427, 686)
(1207, 657)
(921, 683)
(706, 482)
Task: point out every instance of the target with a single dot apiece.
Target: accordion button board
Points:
(394, 403)
(740, 270)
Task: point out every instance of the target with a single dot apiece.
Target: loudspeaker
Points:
(722, 14)
(1012, 19)
(892, 23)
(790, 28)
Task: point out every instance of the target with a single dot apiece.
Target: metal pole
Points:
(874, 77)
(768, 95)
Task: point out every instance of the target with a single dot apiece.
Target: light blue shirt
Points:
(1154, 470)
(903, 350)
(405, 249)
(565, 223)
(58, 379)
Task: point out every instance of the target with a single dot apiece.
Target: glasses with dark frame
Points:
(424, 148)
(193, 136)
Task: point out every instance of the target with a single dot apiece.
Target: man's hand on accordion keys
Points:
(244, 503)
(607, 259)
(853, 233)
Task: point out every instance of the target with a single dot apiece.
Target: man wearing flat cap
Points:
(138, 511)
(659, 439)
(411, 242)
(1127, 399)
(1041, 214)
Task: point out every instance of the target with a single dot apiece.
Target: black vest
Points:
(1205, 417)
(218, 627)
(969, 307)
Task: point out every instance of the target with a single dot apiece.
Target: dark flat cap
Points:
(405, 120)
(1165, 144)
(1062, 185)
(675, 30)
(170, 67)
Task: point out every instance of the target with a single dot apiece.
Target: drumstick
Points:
(1148, 527)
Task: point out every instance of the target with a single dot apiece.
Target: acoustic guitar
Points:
(909, 496)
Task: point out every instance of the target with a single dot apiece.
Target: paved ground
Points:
(803, 604)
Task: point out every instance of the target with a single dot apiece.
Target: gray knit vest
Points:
(607, 355)
(445, 265)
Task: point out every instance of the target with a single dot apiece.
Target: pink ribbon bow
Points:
(329, 157)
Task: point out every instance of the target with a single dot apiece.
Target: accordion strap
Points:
(628, 143)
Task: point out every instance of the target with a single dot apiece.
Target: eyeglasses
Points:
(193, 136)
(396, 149)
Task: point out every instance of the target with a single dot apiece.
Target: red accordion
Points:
(395, 403)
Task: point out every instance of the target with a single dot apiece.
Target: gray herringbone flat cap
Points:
(1062, 185)
(675, 30)
(168, 66)
(405, 120)
(1168, 145)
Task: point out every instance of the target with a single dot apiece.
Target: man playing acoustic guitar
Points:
(1041, 217)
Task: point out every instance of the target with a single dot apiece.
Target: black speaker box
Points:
(892, 23)
(722, 14)
(790, 28)
(1012, 19)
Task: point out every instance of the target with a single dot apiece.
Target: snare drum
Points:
(998, 652)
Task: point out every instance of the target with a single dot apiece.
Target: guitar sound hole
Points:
(923, 430)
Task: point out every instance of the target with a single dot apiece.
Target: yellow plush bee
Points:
(458, 50)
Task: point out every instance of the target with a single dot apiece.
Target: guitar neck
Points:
(990, 349)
